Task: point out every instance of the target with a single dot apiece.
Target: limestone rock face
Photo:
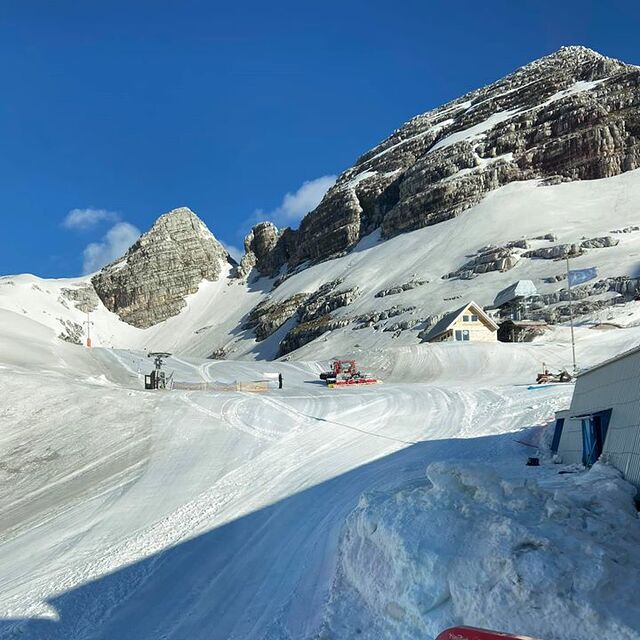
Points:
(305, 332)
(401, 288)
(71, 331)
(572, 115)
(269, 316)
(83, 297)
(488, 259)
(314, 315)
(599, 243)
(151, 281)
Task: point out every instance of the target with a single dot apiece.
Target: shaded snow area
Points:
(533, 553)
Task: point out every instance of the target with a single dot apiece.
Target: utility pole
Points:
(573, 339)
(88, 322)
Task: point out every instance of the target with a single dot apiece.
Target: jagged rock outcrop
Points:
(562, 251)
(557, 252)
(404, 325)
(599, 243)
(489, 259)
(83, 297)
(311, 310)
(628, 288)
(573, 115)
(266, 249)
(269, 316)
(372, 318)
(151, 281)
(325, 300)
(305, 332)
(401, 288)
(630, 229)
(72, 332)
(314, 315)
(587, 298)
(507, 256)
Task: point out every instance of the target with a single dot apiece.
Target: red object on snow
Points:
(345, 372)
(471, 633)
(356, 381)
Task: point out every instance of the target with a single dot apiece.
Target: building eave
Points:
(615, 358)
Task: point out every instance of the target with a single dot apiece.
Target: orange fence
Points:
(252, 386)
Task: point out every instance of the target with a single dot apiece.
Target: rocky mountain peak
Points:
(571, 115)
(575, 52)
(151, 281)
(172, 226)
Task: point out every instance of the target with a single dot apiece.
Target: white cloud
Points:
(89, 217)
(235, 252)
(114, 244)
(296, 205)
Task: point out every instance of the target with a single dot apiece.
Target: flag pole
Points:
(573, 339)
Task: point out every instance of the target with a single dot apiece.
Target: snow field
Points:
(133, 514)
(218, 515)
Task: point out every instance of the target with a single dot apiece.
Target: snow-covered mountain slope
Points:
(571, 115)
(220, 305)
(457, 204)
(216, 316)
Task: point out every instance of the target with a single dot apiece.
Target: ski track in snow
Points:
(189, 514)
(230, 527)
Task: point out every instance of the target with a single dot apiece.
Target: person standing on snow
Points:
(279, 381)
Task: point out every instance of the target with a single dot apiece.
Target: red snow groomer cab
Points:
(344, 373)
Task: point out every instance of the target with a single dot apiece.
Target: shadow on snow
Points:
(243, 577)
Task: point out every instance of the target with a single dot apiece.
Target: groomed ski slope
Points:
(133, 514)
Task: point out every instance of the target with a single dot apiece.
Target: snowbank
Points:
(554, 558)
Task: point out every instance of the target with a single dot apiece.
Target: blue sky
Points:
(115, 112)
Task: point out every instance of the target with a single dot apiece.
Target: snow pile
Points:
(555, 558)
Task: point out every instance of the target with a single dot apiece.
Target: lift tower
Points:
(157, 378)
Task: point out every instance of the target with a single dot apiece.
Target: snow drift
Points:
(554, 558)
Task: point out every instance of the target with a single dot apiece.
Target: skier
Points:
(279, 381)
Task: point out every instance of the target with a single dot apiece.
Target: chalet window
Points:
(466, 318)
(462, 335)
(474, 318)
